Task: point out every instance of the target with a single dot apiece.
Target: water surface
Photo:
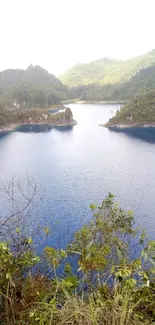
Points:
(80, 166)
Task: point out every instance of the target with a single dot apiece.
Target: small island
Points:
(139, 113)
(36, 120)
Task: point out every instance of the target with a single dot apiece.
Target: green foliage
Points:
(109, 287)
(140, 111)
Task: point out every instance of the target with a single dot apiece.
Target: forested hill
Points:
(139, 84)
(107, 71)
(140, 111)
(93, 72)
(34, 87)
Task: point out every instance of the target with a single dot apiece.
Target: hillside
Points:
(107, 79)
(34, 87)
(140, 111)
(107, 71)
(139, 84)
(93, 72)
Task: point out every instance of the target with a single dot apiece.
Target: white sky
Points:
(57, 34)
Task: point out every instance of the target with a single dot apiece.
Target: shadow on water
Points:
(4, 134)
(42, 128)
(64, 128)
(146, 134)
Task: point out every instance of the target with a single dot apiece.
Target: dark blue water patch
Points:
(53, 111)
(64, 127)
(4, 133)
(34, 128)
(56, 110)
(144, 133)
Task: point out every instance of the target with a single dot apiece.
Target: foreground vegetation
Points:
(110, 284)
(140, 111)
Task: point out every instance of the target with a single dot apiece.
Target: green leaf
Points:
(53, 301)
(30, 241)
(92, 206)
(62, 253)
(68, 268)
(90, 244)
(46, 231)
(4, 246)
(8, 275)
(119, 253)
(31, 314)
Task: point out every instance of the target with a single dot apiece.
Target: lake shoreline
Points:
(103, 102)
(117, 102)
(36, 127)
(128, 126)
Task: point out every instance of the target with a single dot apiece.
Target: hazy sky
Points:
(56, 34)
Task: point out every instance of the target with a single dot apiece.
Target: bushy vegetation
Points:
(140, 111)
(109, 286)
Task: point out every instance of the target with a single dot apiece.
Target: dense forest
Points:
(143, 81)
(34, 87)
(107, 79)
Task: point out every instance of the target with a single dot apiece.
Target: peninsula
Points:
(139, 113)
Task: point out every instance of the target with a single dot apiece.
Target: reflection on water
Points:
(144, 133)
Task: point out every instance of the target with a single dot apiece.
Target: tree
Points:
(68, 114)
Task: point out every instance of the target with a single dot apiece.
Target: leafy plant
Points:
(110, 287)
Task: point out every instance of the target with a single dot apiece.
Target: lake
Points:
(80, 166)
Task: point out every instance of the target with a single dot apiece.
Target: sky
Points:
(56, 34)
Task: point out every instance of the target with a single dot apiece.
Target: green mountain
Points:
(93, 72)
(34, 87)
(107, 71)
(140, 111)
(139, 84)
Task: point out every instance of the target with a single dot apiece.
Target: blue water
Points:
(80, 166)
